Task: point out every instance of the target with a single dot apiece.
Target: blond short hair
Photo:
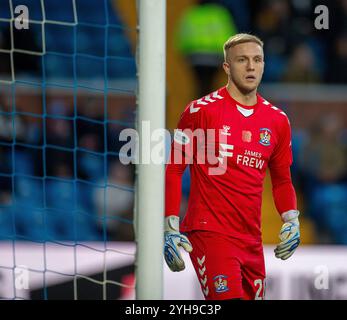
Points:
(240, 38)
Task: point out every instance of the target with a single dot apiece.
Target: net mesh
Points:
(67, 90)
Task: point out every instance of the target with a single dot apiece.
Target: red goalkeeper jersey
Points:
(226, 195)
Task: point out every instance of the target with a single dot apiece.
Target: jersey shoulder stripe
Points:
(272, 107)
(205, 101)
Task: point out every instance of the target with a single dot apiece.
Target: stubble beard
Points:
(245, 90)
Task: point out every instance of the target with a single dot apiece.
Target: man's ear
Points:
(226, 68)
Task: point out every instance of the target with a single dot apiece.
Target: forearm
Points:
(285, 201)
(283, 190)
(173, 188)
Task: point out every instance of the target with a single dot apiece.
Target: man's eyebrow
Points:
(246, 56)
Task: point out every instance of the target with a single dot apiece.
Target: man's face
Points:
(245, 65)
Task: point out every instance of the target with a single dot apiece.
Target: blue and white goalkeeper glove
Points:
(173, 240)
(289, 235)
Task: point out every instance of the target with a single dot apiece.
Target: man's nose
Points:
(250, 65)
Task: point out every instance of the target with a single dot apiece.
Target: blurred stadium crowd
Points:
(62, 180)
(56, 179)
(60, 174)
(295, 50)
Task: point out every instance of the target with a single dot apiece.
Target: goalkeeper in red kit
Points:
(222, 225)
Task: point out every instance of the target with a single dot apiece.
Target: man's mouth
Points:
(250, 77)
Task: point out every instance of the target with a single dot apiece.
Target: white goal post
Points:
(149, 207)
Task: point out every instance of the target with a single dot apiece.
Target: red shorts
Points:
(226, 267)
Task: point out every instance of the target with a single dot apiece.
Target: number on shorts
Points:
(261, 285)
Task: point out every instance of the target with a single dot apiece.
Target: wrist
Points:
(290, 216)
(172, 223)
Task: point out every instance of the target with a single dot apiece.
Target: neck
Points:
(247, 99)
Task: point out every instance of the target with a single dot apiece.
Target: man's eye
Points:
(241, 59)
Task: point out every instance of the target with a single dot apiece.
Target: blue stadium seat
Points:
(71, 226)
(65, 220)
(5, 11)
(328, 209)
(28, 191)
(121, 68)
(58, 66)
(60, 207)
(333, 204)
(24, 163)
(87, 227)
(118, 45)
(92, 165)
(59, 224)
(60, 194)
(59, 38)
(29, 208)
(30, 223)
(6, 223)
(87, 215)
(275, 67)
(90, 40)
(58, 10)
(85, 197)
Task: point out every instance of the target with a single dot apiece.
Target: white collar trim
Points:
(245, 112)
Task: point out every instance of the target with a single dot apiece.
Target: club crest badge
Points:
(265, 137)
(221, 283)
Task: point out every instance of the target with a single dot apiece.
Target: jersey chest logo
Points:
(225, 131)
(246, 136)
(265, 137)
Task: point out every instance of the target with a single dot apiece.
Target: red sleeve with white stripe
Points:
(181, 154)
(282, 188)
(282, 155)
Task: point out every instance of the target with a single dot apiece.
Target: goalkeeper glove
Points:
(289, 235)
(173, 240)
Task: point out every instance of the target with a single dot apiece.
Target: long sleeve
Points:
(173, 188)
(282, 189)
(181, 154)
